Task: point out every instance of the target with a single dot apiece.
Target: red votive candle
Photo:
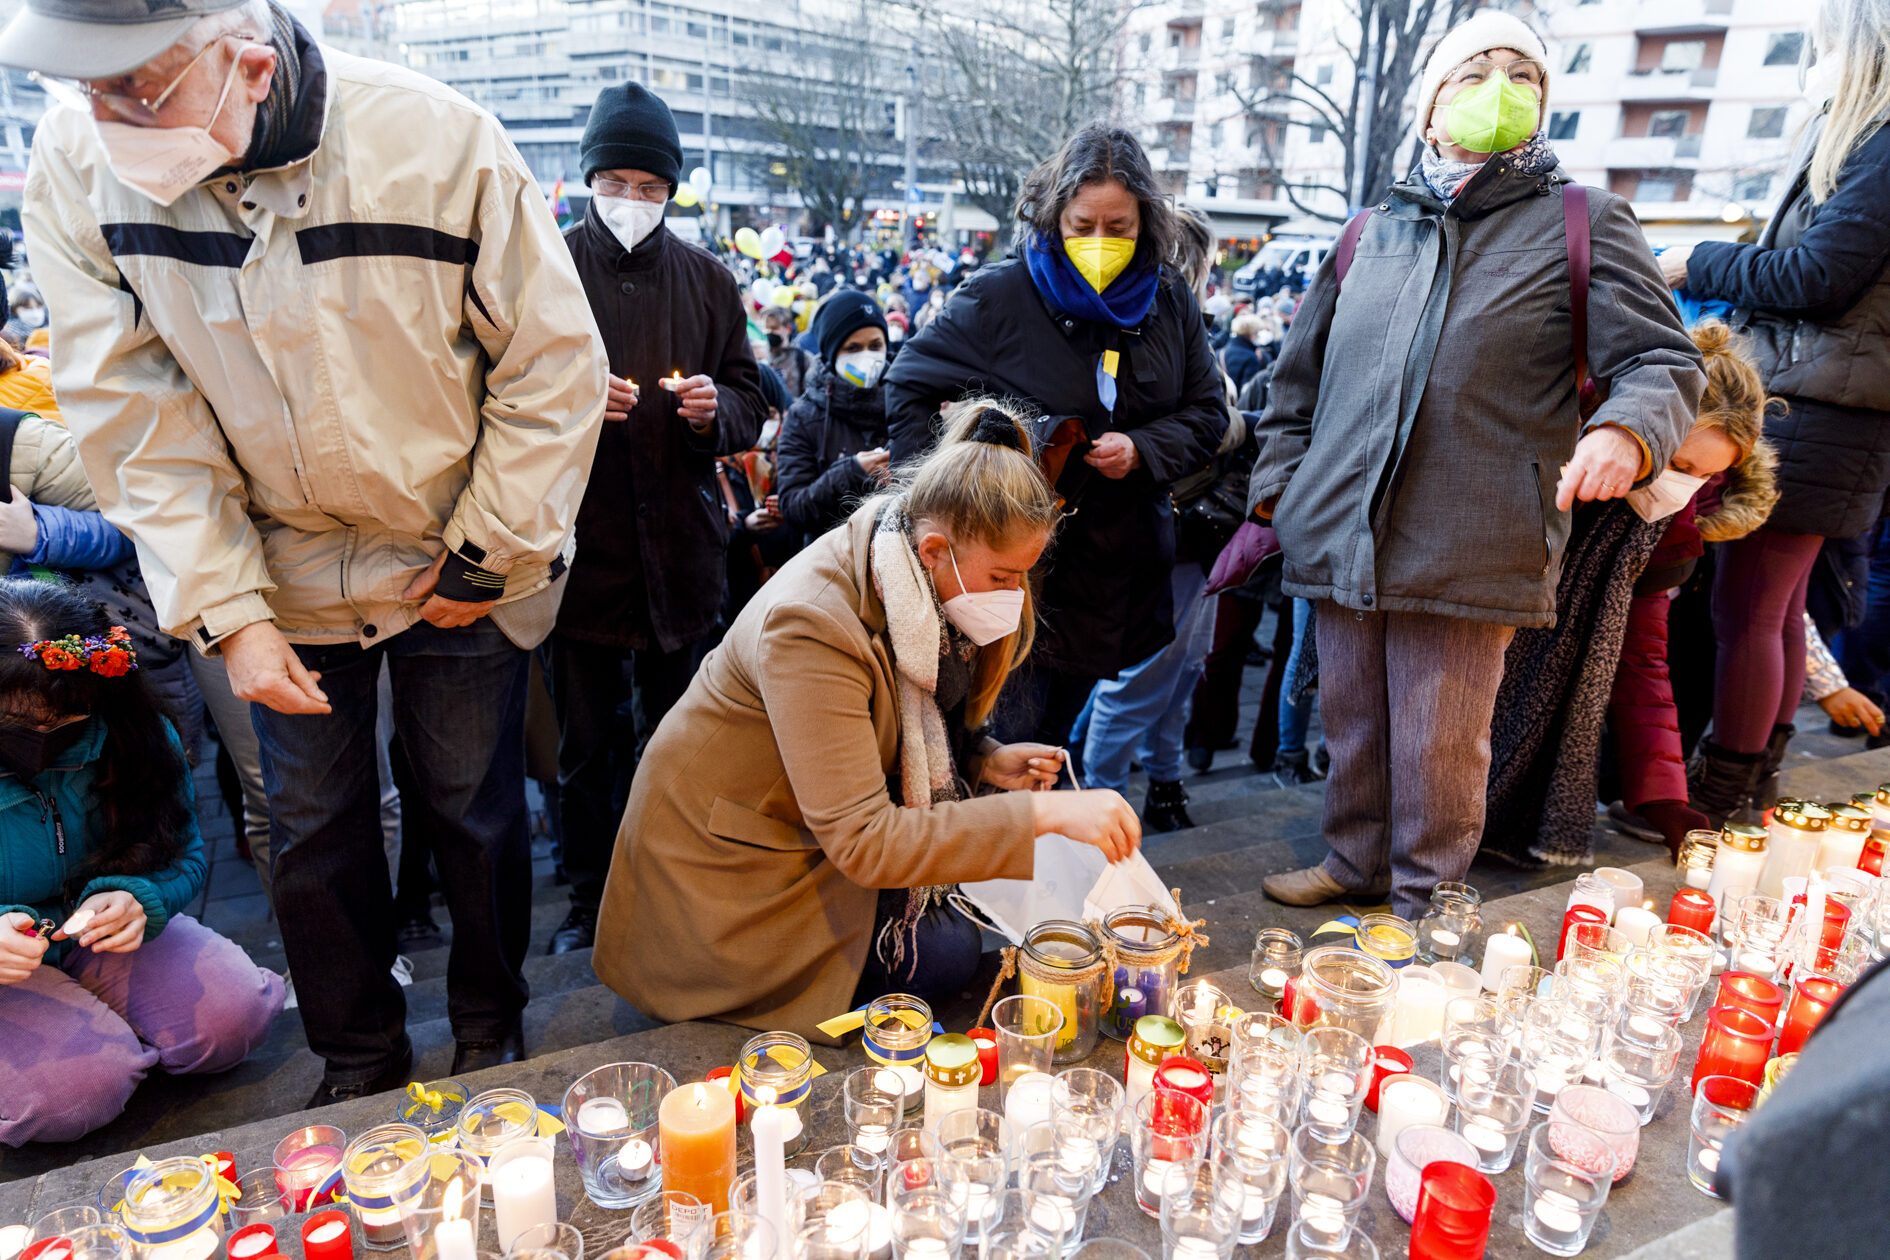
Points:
(1454, 1207)
(252, 1242)
(325, 1236)
(1386, 1061)
(1737, 1044)
(1692, 908)
(1747, 992)
(1837, 917)
(723, 1075)
(1578, 914)
(1871, 861)
(1186, 1076)
(1812, 996)
(986, 1041)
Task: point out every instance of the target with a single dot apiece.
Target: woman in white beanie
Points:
(1423, 445)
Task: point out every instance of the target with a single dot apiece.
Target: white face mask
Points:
(630, 220)
(32, 316)
(164, 163)
(1821, 79)
(1665, 494)
(984, 616)
(861, 368)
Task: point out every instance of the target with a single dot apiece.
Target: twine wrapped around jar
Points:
(1054, 975)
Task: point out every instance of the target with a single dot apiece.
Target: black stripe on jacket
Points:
(206, 249)
(361, 240)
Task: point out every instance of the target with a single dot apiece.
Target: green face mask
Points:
(1493, 117)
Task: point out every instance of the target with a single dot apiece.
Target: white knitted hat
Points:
(1484, 30)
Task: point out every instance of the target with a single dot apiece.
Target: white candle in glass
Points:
(453, 1240)
(1503, 949)
(1028, 1102)
(1418, 1015)
(1405, 1100)
(1636, 923)
(523, 1192)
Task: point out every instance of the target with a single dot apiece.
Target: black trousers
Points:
(597, 754)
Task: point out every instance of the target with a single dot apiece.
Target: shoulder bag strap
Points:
(1580, 261)
(1348, 245)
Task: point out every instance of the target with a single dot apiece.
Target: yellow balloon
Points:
(748, 241)
(686, 196)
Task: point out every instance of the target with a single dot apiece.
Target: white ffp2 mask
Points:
(1665, 494)
(862, 368)
(984, 616)
(630, 220)
(164, 163)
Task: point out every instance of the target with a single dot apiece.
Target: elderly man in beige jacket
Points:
(330, 366)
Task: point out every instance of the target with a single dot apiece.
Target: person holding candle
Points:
(98, 835)
(646, 586)
(797, 820)
(833, 441)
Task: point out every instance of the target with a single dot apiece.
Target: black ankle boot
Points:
(1765, 793)
(1721, 783)
(1166, 808)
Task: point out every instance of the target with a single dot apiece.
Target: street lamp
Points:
(1733, 212)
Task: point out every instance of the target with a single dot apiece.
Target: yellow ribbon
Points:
(226, 1189)
(431, 1098)
(548, 1124)
(854, 1021)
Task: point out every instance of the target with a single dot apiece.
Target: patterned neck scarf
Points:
(268, 144)
(1446, 177)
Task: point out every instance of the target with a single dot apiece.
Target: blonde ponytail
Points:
(982, 482)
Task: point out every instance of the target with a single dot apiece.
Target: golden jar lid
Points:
(952, 1061)
(1863, 799)
(1747, 837)
(1801, 815)
(1849, 818)
(1883, 794)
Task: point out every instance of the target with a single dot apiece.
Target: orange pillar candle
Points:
(697, 1127)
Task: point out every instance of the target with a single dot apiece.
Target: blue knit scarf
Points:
(1124, 304)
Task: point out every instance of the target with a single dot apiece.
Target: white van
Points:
(1289, 256)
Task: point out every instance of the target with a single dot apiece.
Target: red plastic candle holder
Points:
(1752, 993)
(1454, 1207)
(1812, 996)
(1871, 860)
(986, 1041)
(251, 1242)
(1386, 1061)
(1692, 908)
(1737, 1044)
(1837, 917)
(1578, 915)
(322, 1242)
(1183, 1075)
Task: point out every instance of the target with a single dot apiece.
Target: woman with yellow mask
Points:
(1423, 446)
(1089, 323)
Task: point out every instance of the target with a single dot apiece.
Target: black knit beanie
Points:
(631, 129)
(843, 314)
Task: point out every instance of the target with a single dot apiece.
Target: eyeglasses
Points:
(135, 108)
(1526, 71)
(657, 191)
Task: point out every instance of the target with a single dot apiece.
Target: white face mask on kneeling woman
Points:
(1665, 494)
(984, 616)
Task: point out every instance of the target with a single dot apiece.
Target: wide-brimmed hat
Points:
(98, 39)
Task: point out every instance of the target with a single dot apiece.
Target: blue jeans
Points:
(1145, 708)
(1295, 718)
(459, 707)
(1864, 650)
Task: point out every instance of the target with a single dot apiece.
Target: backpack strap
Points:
(1575, 228)
(9, 429)
(1348, 245)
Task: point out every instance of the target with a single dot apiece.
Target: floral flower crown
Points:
(109, 657)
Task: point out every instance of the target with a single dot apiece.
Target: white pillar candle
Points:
(13, 1239)
(1028, 1102)
(1405, 1100)
(453, 1240)
(1502, 950)
(523, 1192)
(1626, 885)
(1636, 923)
(1459, 980)
(1418, 1015)
(771, 1166)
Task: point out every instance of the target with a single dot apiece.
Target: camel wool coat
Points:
(760, 826)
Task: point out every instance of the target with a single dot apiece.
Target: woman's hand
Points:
(1098, 817)
(19, 528)
(19, 953)
(1023, 767)
(1673, 265)
(1851, 707)
(1605, 465)
(117, 924)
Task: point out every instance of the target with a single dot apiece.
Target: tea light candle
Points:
(252, 1240)
(1558, 1212)
(523, 1194)
(603, 1115)
(1186, 1076)
(1582, 913)
(325, 1237)
(13, 1240)
(1028, 1102)
(1626, 886)
(1485, 1138)
(1404, 1101)
(673, 381)
(907, 1083)
(1691, 907)
(1636, 923)
(1503, 949)
(986, 1041)
(697, 1136)
(80, 920)
(1387, 1061)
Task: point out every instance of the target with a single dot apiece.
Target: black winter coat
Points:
(1105, 598)
(1243, 361)
(652, 534)
(819, 481)
(1814, 294)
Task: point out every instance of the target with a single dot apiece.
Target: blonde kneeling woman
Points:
(799, 817)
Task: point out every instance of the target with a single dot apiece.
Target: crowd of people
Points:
(796, 581)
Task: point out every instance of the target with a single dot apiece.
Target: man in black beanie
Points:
(646, 586)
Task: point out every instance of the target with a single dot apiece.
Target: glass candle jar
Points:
(1276, 956)
(783, 1063)
(1157, 1039)
(1591, 889)
(1584, 914)
(1062, 962)
(897, 1028)
(1387, 937)
(1148, 963)
(1449, 930)
(1737, 1043)
(308, 1166)
(1792, 842)
(1812, 996)
(1695, 859)
(952, 1072)
(383, 1169)
(433, 1108)
(1842, 844)
(1341, 987)
(493, 1118)
(1206, 1015)
(172, 1211)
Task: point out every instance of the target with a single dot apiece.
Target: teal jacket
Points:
(47, 832)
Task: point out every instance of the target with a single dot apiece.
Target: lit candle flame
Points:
(1511, 929)
(676, 374)
(1648, 904)
(450, 1202)
(700, 1099)
(765, 1096)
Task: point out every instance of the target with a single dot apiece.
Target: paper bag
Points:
(1073, 881)
(1132, 882)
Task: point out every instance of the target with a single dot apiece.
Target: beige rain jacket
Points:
(293, 387)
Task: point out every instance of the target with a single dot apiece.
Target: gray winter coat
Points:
(1419, 421)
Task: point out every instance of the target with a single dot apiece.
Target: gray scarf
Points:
(1446, 177)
